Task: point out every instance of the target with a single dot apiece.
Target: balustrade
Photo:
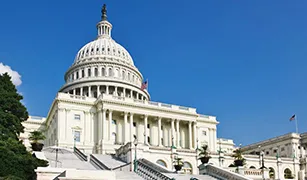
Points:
(148, 172)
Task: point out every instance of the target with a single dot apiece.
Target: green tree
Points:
(15, 161)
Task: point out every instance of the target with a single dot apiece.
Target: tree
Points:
(35, 137)
(16, 162)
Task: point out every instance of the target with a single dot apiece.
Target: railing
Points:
(220, 173)
(96, 163)
(80, 154)
(148, 172)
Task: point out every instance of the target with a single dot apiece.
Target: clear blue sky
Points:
(243, 61)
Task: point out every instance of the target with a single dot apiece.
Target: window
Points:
(77, 116)
(82, 72)
(275, 150)
(134, 124)
(77, 75)
(204, 133)
(161, 162)
(114, 122)
(110, 72)
(282, 149)
(96, 72)
(161, 127)
(148, 126)
(267, 152)
(123, 75)
(88, 72)
(103, 72)
(77, 136)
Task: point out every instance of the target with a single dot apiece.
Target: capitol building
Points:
(104, 108)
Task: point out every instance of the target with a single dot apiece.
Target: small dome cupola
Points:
(104, 27)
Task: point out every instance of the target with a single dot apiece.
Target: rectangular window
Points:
(275, 151)
(77, 136)
(267, 152)
(134, 124)
(114, 122)
(77, 116)
(148, 126)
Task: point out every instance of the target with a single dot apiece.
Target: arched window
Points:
(82, 73)
(89, 72)
(161, 162)
(252, 167)
(124, 75)
(96, 72)
(288, 174)
(103, 72)
(187, 168)
(77, 75)
(110, 72)
(271, 173)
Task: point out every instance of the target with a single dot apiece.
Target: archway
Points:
(252, 167)
(161, 162)
(271, 173)
(187, 168)
(288, 174)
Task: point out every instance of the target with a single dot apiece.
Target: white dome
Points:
(104, 46)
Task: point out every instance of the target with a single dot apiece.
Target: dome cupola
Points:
(103, 66)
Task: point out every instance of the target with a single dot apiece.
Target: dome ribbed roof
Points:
(104, 46)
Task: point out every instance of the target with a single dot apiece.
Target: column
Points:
(92, 126)
(116, 94)
(124, 92)
(190, 135)
(61, 125)
(110, 125)
(195, 135)
(87, 127)
(145, 129)
(178, 133)
(98, 91)
(107, 89)
(81, 91)
(99, 124)
(74, 91)
(159, 131)
(103, 124)
(173, 132)
(210, 139)
(125, 127)
(93, 72)
(89, 91)
(86, 72)
(131, 93)
(131, 127)
(214, 140)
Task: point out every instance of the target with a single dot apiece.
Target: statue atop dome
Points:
(104, 12)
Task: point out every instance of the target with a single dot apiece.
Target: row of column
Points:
(128, 133)
(116, 92)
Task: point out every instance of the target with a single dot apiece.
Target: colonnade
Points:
(127, 134)
(95, 91)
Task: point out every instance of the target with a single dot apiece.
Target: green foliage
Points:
(15, 161)
(204, 151)
(178, 161)
(237, 154)
(36, 136)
